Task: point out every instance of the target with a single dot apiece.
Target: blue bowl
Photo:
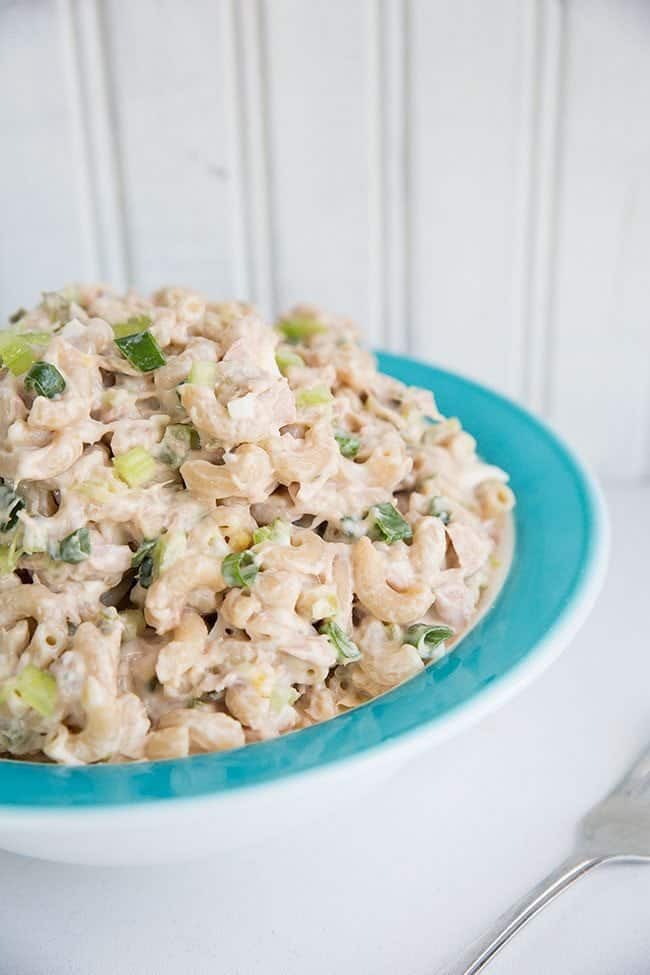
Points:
(558, 565)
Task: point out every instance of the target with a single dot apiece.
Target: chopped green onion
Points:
(300, 329)
(352, 527)
(170, 547)
(346, 650)
(57, 303)
(279, 531)
(133, 622)
(10, 504)
(143, 561)
(37, 688)
(349, 445)
(203, 374)
(17, 349)
(314, 396)
(17, 315)
(426, 639)
(143, 550)
(390, 524)
(9, 556)
(74, 548)
(137, 323)
(136, 466)
(179, 439)
(439, 510)
(142, 351)
(286, 359)
(240, 569)
(44, 379)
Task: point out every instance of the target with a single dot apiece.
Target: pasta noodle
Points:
(213, 532)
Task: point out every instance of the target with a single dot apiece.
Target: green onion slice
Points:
(439, 510)
(349, 445)
(74, 548)
(390, 524)
(426, 639)
(240, 569)
(177, 442)
(17, 315)
(143, 561)
(141, 350)
(346, 649)
(10, 504)
(44, 379)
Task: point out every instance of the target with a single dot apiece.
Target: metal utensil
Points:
(615, 830)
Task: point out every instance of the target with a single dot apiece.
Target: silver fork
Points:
(616, 830)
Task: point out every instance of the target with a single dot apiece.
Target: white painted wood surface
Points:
(470, 181)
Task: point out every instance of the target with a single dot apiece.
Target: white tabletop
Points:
(409, 875)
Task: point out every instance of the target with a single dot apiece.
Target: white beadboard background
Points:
(469, 179)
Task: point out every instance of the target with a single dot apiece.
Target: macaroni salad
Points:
(213, 531)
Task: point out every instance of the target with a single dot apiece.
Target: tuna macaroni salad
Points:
(213, 531)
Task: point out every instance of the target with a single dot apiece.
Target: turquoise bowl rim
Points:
(557, 570)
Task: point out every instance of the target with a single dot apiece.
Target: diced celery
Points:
(203, 374)
(286, 359)
(37, 688)
(137, 323)
(170, 547)
(282, 696)
(136, 466)
(325, 606)
(133, 623)
(313, 396)
(278, 532)
(300, 328)
(19, 351)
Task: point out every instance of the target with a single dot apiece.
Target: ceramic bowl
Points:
(171, 810)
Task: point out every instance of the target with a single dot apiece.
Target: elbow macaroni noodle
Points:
(192, 552)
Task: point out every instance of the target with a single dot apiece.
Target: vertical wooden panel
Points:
(99, 187)
(44, 240)
(256, 215)
(319, 129)
(465, 118)
(173, 129)
(601, 352)
(390, 212)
